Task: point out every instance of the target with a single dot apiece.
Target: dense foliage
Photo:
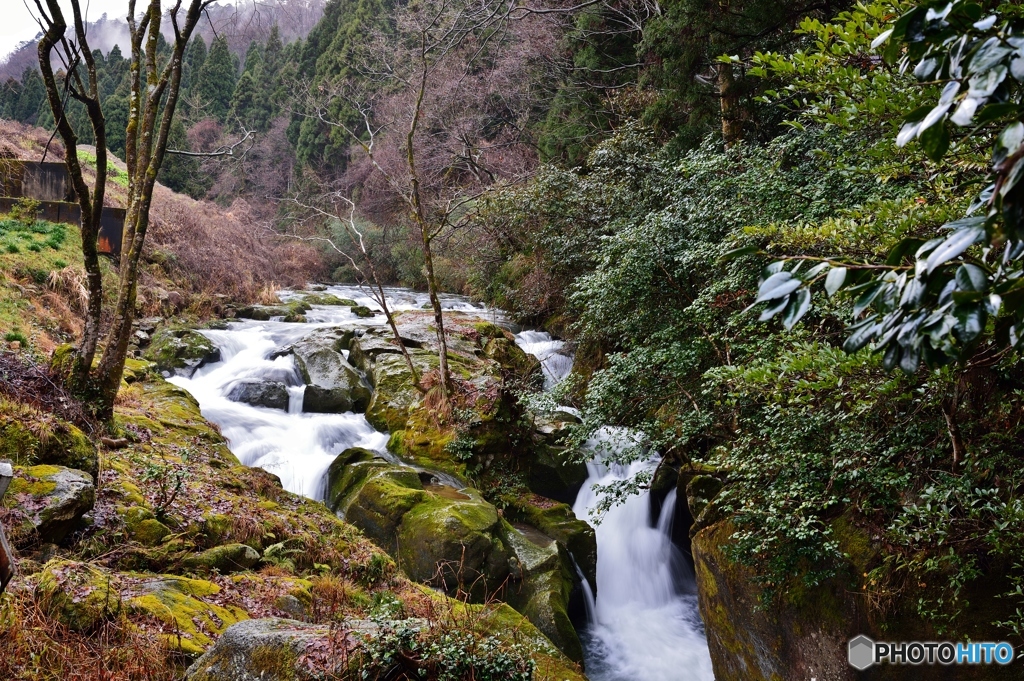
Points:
(664, 252)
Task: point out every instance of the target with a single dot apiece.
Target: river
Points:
(643, 624)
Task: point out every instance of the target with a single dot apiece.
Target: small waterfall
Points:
(555, 363)
(296, 447)
(644, 623)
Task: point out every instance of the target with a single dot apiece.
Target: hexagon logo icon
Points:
(862, 652)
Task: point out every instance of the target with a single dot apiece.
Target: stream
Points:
(643, 624)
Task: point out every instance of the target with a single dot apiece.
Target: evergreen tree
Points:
(179, 172)
(10, 93)
(31, 99)
(216, 81)
(248, 109)
(195, 57)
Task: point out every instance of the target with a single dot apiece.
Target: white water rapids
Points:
(644, 624)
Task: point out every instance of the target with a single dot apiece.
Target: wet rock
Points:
(700, 491)
(443, 539)
(272, 649)
(555, 473)
(49, 502)
(362, 311)
(181, 351)
(557, 520)
(542, 582)
(259, 393)
(333, 385)
(224, 559)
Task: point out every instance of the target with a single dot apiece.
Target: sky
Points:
(17, 24)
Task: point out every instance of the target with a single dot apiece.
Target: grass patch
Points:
(114, 174)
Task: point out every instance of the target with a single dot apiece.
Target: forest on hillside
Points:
(783, 241)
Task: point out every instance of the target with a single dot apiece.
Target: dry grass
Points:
(27, 142)
(35, 646)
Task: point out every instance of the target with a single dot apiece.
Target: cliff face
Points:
(805, 633)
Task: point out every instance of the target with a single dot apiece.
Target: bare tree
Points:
(344, 211)
(438, 104)
(155, 81)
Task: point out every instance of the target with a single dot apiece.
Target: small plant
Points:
(402, 651)
(13, 248)
(16, 337)
(35, 247)
(60, 264)
(169, 479)
(24, 211)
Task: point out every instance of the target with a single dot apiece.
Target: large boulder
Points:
(369, 344)
(187, 608)
(557, 520)
(259, 393)
(332, 384)
(181, 351)
(439, 535)
(45, 503)
(454, 539)
(541, 584)
(806, 631)
(275, 649)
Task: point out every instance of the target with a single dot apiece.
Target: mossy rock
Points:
(511, 357)
(150, 532)
(557, 520)
(542, 582)
(368, 345)
(136, 370)
(191, 617)
(453, 544)
(181, 351)
(49, 502)
(362, 311)
(393, 390)
(805, 632)
(489, 330)
(555, 473)
(421, 528)
(327, 299)
(274, 649)
(701, 491)
(343, 474)
(381, 500)
(80, 596)
(28, 439)
(224, 559)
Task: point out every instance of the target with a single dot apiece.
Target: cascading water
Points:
(297, 447)
(643, 623)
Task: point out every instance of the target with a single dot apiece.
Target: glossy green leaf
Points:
(778, 285)
(797, 308)
(834, 280)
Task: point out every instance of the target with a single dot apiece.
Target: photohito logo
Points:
(863, 652)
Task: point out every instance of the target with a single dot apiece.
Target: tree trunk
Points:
(732, 125)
